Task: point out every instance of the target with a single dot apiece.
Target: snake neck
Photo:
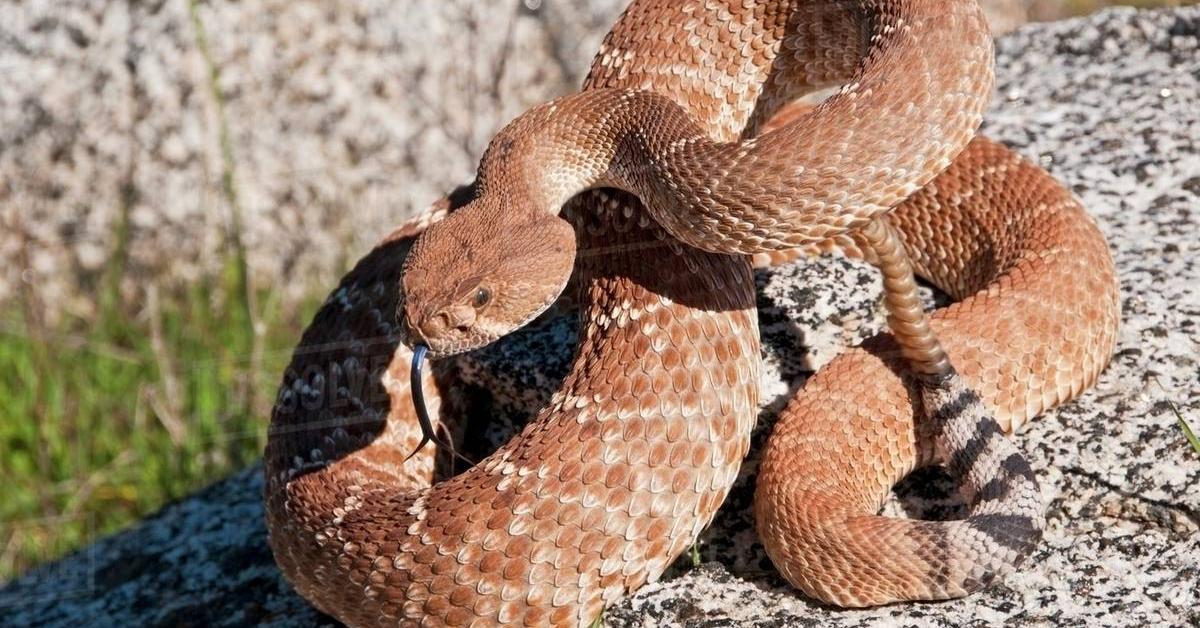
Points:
(599, 138)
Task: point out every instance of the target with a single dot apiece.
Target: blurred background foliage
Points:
(158, 385)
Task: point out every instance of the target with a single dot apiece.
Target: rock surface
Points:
(1106, 103)
(334, 121)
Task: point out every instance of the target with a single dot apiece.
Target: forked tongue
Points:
(428, 433)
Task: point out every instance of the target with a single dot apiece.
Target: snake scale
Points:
(670, 172)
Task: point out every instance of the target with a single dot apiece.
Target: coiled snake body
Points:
(640, 444)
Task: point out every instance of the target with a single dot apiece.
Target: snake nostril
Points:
(431, 327)
(424, 329)
(460, 317)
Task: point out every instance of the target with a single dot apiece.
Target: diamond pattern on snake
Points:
(641, 200)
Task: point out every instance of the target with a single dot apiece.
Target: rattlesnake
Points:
(637, 449)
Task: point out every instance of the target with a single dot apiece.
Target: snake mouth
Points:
(480, 336)
(449, 350)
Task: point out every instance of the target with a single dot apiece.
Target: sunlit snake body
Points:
(639, 446)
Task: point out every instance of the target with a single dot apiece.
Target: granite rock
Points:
(1109, 104)
(333, 121)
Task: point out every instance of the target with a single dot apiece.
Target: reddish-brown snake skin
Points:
(640, 444)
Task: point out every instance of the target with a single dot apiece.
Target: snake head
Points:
(482, 273)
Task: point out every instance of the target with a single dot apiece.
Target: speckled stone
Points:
(1109, 104)
(343, 118)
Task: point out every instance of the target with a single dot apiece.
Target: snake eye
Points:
(482, 297)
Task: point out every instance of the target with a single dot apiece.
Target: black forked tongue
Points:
(428, 433)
